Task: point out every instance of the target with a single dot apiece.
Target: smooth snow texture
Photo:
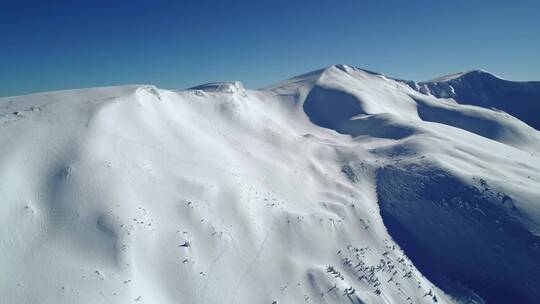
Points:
(305, 191)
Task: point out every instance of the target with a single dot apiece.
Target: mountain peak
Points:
(349, 69)
(464, 74)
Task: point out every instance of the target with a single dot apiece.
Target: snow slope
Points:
(337, 186)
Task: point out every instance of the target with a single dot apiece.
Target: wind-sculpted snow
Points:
(328, 108)
(219, 194)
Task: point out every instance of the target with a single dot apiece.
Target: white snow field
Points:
(337, 186)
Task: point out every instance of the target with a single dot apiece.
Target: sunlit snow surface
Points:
(337, 186)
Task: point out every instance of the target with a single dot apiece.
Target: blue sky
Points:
(176, 44)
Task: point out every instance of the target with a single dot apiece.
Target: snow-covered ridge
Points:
(336, 186)
(223, 87)
(458, 75)
(482, 88)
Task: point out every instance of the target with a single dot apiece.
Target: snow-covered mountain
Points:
(481, 88)
(337, 186)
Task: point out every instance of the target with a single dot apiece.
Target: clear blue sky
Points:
(49, 45)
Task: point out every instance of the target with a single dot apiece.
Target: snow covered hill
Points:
(336, 186)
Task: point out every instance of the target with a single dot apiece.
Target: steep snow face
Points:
(304, 191)
(483, 225)
(481, 88)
